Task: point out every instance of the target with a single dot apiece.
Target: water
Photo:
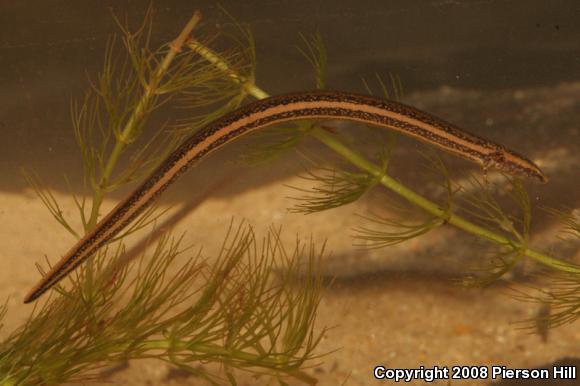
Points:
(505, 70)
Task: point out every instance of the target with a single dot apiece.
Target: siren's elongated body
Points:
(266, 112)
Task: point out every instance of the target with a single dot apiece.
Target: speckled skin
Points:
(266, 112)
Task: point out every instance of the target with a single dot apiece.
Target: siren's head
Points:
(516, 165)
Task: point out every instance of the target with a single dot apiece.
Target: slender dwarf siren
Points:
(290, 107)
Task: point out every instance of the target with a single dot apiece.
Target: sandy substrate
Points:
(395, 307)
(397, 319)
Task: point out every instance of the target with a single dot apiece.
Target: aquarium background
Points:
(505, 70)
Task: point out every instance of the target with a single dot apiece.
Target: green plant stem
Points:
(124, 138)
(248, 85)
(215, 350)
(362, 163)
(431, 207)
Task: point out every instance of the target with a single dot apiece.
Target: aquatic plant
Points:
(176, 305)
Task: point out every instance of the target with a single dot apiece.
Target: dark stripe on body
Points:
(112, 223)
